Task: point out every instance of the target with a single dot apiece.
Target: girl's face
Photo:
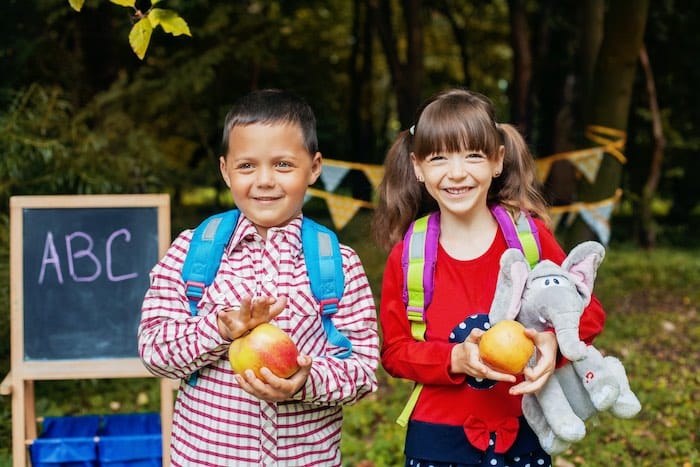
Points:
(268, 169)
(459, 181)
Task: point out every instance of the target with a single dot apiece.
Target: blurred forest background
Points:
(80, 113)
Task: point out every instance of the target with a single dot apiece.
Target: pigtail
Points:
(400, 195)
(518, 187)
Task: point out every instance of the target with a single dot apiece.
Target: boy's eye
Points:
(244, 166)
(284, 164)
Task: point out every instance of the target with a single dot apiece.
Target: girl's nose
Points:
(456, 168)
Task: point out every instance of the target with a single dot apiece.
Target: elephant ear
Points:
(582, 264)
(509, 287)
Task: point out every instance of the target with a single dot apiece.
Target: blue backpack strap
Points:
(324, 265)
(521, 234)
(204, 257)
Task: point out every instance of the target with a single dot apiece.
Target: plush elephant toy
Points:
(551, 296)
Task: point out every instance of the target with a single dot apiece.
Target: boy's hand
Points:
(235, 322)
(537, 376)
(275, 389)
(465, 358)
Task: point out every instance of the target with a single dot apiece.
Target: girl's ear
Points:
(500, 156)
(416, 167)
(222, 169)
(316, 165)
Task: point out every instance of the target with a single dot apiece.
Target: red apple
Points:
(264, 346)
(505, 347)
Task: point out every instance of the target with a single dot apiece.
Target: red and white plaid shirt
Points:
(216, 422)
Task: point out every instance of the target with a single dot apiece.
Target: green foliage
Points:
(140, 34)
(49, 148)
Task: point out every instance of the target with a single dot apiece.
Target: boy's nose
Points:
(265, 176)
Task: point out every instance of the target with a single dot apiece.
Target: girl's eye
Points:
(435, 157)
(475, 155)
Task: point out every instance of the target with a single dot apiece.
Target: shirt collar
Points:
(245, 230)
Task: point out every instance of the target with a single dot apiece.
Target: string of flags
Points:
(587, 162)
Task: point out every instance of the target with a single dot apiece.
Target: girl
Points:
(458, 160)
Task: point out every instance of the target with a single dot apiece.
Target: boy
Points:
(270, 157)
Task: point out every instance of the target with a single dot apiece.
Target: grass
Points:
(653, 327)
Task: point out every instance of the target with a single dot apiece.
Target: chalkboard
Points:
(79, 269)
(84, 275)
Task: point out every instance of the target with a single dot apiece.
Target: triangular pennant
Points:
(374, 174)
(542, 167)
(598, 218)
(332, 175)
(588, 163)
(342, 209)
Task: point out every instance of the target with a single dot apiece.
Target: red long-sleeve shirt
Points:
(462, 288)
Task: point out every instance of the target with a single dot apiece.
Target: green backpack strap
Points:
(418, 261)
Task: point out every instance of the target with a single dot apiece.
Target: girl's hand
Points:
(465, 359)
(235, 322)
(273, 388)
(537, 376)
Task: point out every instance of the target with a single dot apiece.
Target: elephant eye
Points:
(552, 281)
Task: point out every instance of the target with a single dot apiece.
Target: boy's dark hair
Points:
(272, 106)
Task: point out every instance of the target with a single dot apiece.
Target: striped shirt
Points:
(216, 422)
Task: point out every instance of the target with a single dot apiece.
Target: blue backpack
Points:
(321, 255)
(418, 262)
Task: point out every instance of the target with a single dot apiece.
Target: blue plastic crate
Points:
(132, 440)
(66, 442)
(123, 440)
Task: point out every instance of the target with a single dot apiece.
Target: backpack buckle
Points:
(415, 313)
(329, 306)
(194, 290)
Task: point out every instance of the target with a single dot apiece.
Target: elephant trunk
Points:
(570, 345)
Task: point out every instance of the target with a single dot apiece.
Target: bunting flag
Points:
(598, 219)
(332, 175)
(587, 161)
(341, 208)
(373, 172)
(595, 215)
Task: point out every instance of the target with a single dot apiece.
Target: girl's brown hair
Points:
(454, 120)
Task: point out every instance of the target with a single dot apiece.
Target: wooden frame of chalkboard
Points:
(79, 268)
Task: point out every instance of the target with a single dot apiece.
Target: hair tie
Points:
(412, 130)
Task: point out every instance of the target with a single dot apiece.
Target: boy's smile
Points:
(268, 169)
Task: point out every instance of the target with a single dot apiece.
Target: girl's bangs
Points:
(449, 132)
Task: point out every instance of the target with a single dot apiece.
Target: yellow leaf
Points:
(76, 4)
(139, 37)
(131, 3)
(170, 21)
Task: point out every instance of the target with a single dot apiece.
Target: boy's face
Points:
(267, 168)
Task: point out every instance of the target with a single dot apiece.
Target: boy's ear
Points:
(222, 169)
(316, 165)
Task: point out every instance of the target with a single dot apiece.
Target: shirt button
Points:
(268, 278)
